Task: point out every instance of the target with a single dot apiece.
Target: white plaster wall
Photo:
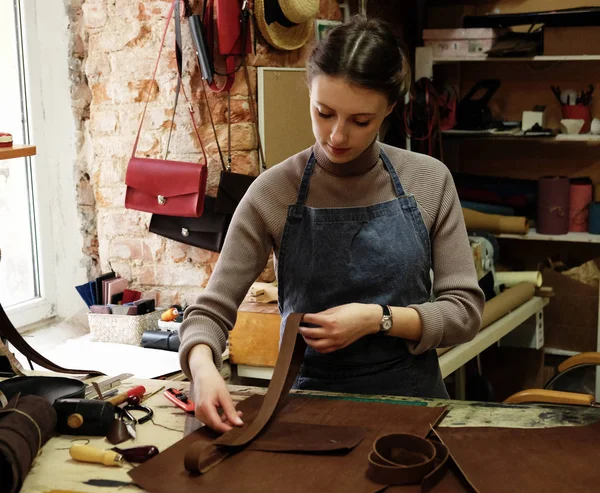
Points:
(62, 262)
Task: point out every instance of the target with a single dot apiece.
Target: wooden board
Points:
(16, 151)
(254, 339)
(284, 113)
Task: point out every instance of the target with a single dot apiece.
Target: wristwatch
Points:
(386, 320)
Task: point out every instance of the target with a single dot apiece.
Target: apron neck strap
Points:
(310, 166)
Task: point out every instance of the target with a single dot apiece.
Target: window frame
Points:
(45, 37)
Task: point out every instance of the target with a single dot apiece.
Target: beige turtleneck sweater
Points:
(257, 227)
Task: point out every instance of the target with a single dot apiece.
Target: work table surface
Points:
(55, 470)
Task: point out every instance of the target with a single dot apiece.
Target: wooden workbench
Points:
(55, 470)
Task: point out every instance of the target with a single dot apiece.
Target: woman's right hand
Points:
(214, 406)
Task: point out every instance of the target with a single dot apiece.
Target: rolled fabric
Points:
(495, 223)
(26, 424)
(488, 208)
(505, 302)
(510, 279)
(553, 205)
(597, 192)
(594, 223)
(581, 198)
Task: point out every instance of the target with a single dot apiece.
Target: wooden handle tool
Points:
(88, 453)
(138, 392)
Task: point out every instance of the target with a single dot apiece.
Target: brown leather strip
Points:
(403, 458)
(200, 458)
(8, 330)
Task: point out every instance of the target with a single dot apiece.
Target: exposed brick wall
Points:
(115, 43)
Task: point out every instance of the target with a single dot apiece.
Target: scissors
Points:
(131, 421)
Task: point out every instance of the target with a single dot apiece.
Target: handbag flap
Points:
(167, 178)
(208, 222)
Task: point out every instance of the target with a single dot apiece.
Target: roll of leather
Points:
(494, 223)
(594, 224)
(26, 424)
(160, 339)
(510, 279)
(580, 200)
(505, 302)
(553, 205)
(488, 208)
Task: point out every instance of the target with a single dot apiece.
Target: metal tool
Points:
(91, 391)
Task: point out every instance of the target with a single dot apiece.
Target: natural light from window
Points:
(18, 266)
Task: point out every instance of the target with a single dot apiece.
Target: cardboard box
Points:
(254, 340)
(571, 317)
(572, 41)
(460, 43)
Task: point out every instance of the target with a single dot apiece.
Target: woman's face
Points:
(345, 118)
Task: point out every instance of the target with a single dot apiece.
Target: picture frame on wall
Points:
(322, 26)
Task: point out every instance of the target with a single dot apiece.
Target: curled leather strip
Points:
(402, 458)
(200, 458)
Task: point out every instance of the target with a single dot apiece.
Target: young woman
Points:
(356, 227)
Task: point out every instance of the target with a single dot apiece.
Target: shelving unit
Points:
(424, 63)
(542, 58)
(16, 152)
(585, 139)
(569, 237)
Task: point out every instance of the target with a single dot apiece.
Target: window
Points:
(19, 274)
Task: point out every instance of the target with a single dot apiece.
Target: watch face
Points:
(387, 324)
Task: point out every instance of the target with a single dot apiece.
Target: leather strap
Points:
(254, 113)
(8, 330)
(403, 458)
(200, 458)
(179, 75)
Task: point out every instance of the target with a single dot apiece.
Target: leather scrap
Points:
(22, 433)
(401, 458)
(502, 460)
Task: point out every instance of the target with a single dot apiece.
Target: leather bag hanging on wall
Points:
(207, 232)
(232, 38)
(173, 188)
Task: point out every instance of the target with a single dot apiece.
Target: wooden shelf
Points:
(563, 58)
(558, 139)
(16, 151)
(533, 235)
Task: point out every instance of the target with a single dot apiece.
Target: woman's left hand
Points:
(340, 326)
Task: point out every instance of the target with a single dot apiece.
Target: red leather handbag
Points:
(232, 37)
(169, 188)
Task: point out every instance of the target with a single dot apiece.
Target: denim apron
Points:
(377, 254)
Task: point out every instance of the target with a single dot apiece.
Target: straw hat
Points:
(286, 24)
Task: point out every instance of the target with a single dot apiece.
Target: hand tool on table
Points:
(89, 453)
(83, 417)
(91, 391)
(181, 400)
(137, 455)
(118, 399)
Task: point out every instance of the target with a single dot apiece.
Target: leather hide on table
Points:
(507, 460)
(253, 471)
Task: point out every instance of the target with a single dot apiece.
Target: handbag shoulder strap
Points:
(174, 7)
